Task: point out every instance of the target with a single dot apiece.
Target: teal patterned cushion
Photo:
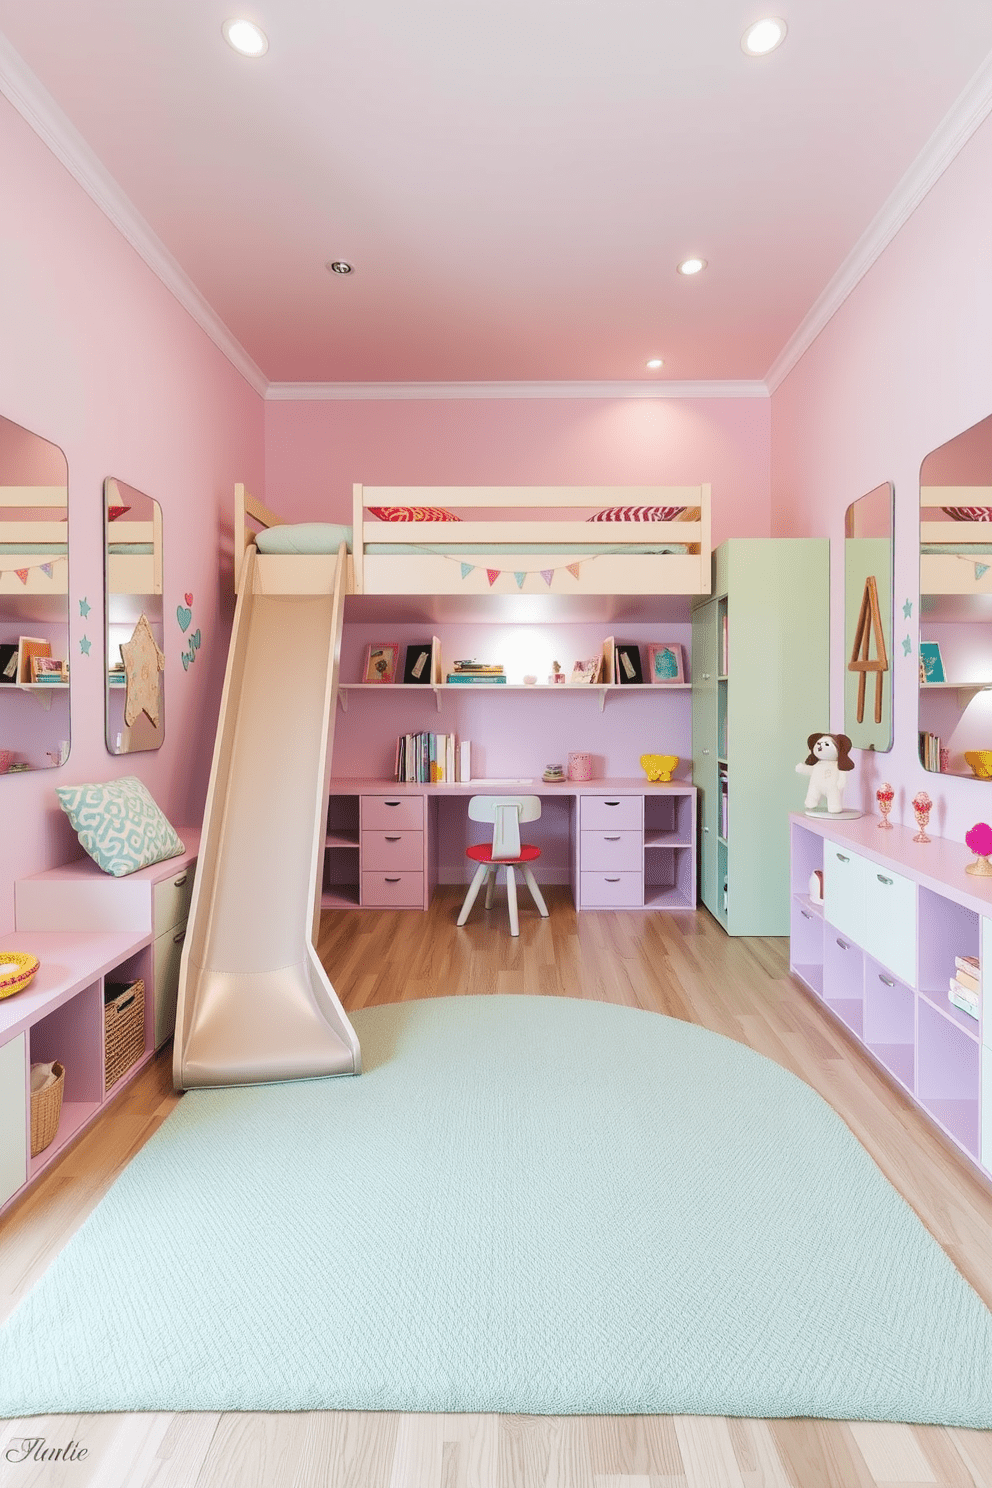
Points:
(119, 825)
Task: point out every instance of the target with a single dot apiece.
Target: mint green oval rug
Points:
(524, 1204)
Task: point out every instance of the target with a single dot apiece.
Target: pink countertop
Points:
(340, 785)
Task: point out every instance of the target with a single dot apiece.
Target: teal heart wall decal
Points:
(185, 617)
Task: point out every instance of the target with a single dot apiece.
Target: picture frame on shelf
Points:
(8, 663)
(586, 671)
(931, 663)
(29, 647)
(417, 670)
(47, 669)
(381, 661)
(628, 665)
(665, 663)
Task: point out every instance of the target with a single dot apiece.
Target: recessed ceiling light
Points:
(654, 364)
(340, 266)
(764, 36)
(692, 265)
(245, 37)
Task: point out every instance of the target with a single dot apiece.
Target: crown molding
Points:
(38, 108)
(954, 131)
(319, 392)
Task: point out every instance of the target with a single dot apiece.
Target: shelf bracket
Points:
(437, 697)
(343, 699)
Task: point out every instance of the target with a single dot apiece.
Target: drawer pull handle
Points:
(178, 939)
(805, 914)
(397, 838)
(613, 880)
(390, 803)
(611, 839)
(177, 883)
(392, 880)
(611, 803)
(843, 944)
(883, 880)
(841, 858)
(887, 980)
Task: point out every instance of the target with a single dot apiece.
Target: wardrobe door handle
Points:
(883, 880)
(178, 939)
(887, 980)
(841, 858)
(843, 944)
(177, 883)
(805, 914)
(706, 751)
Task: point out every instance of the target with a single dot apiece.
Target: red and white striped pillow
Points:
(968, 513)
(413, 514)
(637, 514)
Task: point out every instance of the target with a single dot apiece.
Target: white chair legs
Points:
(487, 872)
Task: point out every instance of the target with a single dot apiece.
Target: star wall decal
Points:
(84, 607)
(143, 660)
(907, 647)
(84, 645)
(907, 610)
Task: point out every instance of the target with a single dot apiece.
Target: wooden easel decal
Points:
(869, 627)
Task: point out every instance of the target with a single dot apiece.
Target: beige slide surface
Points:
(254, 1001)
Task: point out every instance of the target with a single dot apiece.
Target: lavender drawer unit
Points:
(612, 890)
(612, 851)
(611, 813)
(392, 813)
(393, 852)
(393, 890)
(919, 912)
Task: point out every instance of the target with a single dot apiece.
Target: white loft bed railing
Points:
(955, 556)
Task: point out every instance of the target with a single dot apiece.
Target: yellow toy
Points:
(659, 766)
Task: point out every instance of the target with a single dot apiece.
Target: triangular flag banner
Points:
(520, 579)
(547, 574)
(467, 569)
(981, 569)
(492, 574)
(573, 569)
(22, 574)
(46, 569)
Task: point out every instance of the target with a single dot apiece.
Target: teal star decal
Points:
(84, 607)
(907, 647)
(84, 645)
(907, 609)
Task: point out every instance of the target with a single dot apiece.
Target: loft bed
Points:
(34, 546)
(955, 540)
(528, 539)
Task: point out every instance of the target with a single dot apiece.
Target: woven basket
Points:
(46, 1108)
(123, 1028)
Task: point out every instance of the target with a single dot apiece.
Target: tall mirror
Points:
(868, 537)
(34, 601)
(956, 606)
(135, 675)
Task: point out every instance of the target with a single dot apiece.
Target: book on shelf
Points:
(968, 963)
(425, 759)
(477, 668)
(477, 677)
(960, 997)
(968, 979)
(930, 751)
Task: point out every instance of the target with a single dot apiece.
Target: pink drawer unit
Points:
(393, 852)
(611, 890)
(612, 851)
(396, 890)
(392, 813)
(611, 813)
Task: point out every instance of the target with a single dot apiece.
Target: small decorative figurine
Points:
(922, 806)
(979, 839)
(557, 675)
(659, 766)
(884, 796)
(829, 757)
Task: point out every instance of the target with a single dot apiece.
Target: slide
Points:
(255, 1004)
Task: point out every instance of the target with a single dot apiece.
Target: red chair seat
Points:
(483, 853)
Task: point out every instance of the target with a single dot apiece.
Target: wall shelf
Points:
(602, 688)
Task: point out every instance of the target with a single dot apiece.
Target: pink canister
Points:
(580, 766)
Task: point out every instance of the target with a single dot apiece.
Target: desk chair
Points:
(507, 851)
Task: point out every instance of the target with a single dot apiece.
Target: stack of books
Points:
(476, 671)
(930, 751)
(425, 759)
(965, 990)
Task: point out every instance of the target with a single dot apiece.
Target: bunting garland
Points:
(22, 573)
(520, 574)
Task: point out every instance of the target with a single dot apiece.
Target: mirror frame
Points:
(122, 575)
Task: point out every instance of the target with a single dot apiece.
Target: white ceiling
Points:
(515, 182)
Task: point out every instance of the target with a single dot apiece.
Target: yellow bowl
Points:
(980, 761)
(659, 766)
(16, 970)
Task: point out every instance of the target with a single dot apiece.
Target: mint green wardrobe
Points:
(750, 723)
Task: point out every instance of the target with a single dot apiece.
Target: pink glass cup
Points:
(884, 796)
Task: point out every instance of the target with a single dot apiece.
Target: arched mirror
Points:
(956, 606)
(868, 532)
(34, 601)
(135, 676)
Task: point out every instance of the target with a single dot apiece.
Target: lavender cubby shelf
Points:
(929, 1047)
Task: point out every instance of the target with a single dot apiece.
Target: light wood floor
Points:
(680, 965)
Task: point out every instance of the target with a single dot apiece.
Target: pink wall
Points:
(100, 359)
(903, 366)
(315, 451)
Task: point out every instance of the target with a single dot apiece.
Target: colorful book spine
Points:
(486, 677)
